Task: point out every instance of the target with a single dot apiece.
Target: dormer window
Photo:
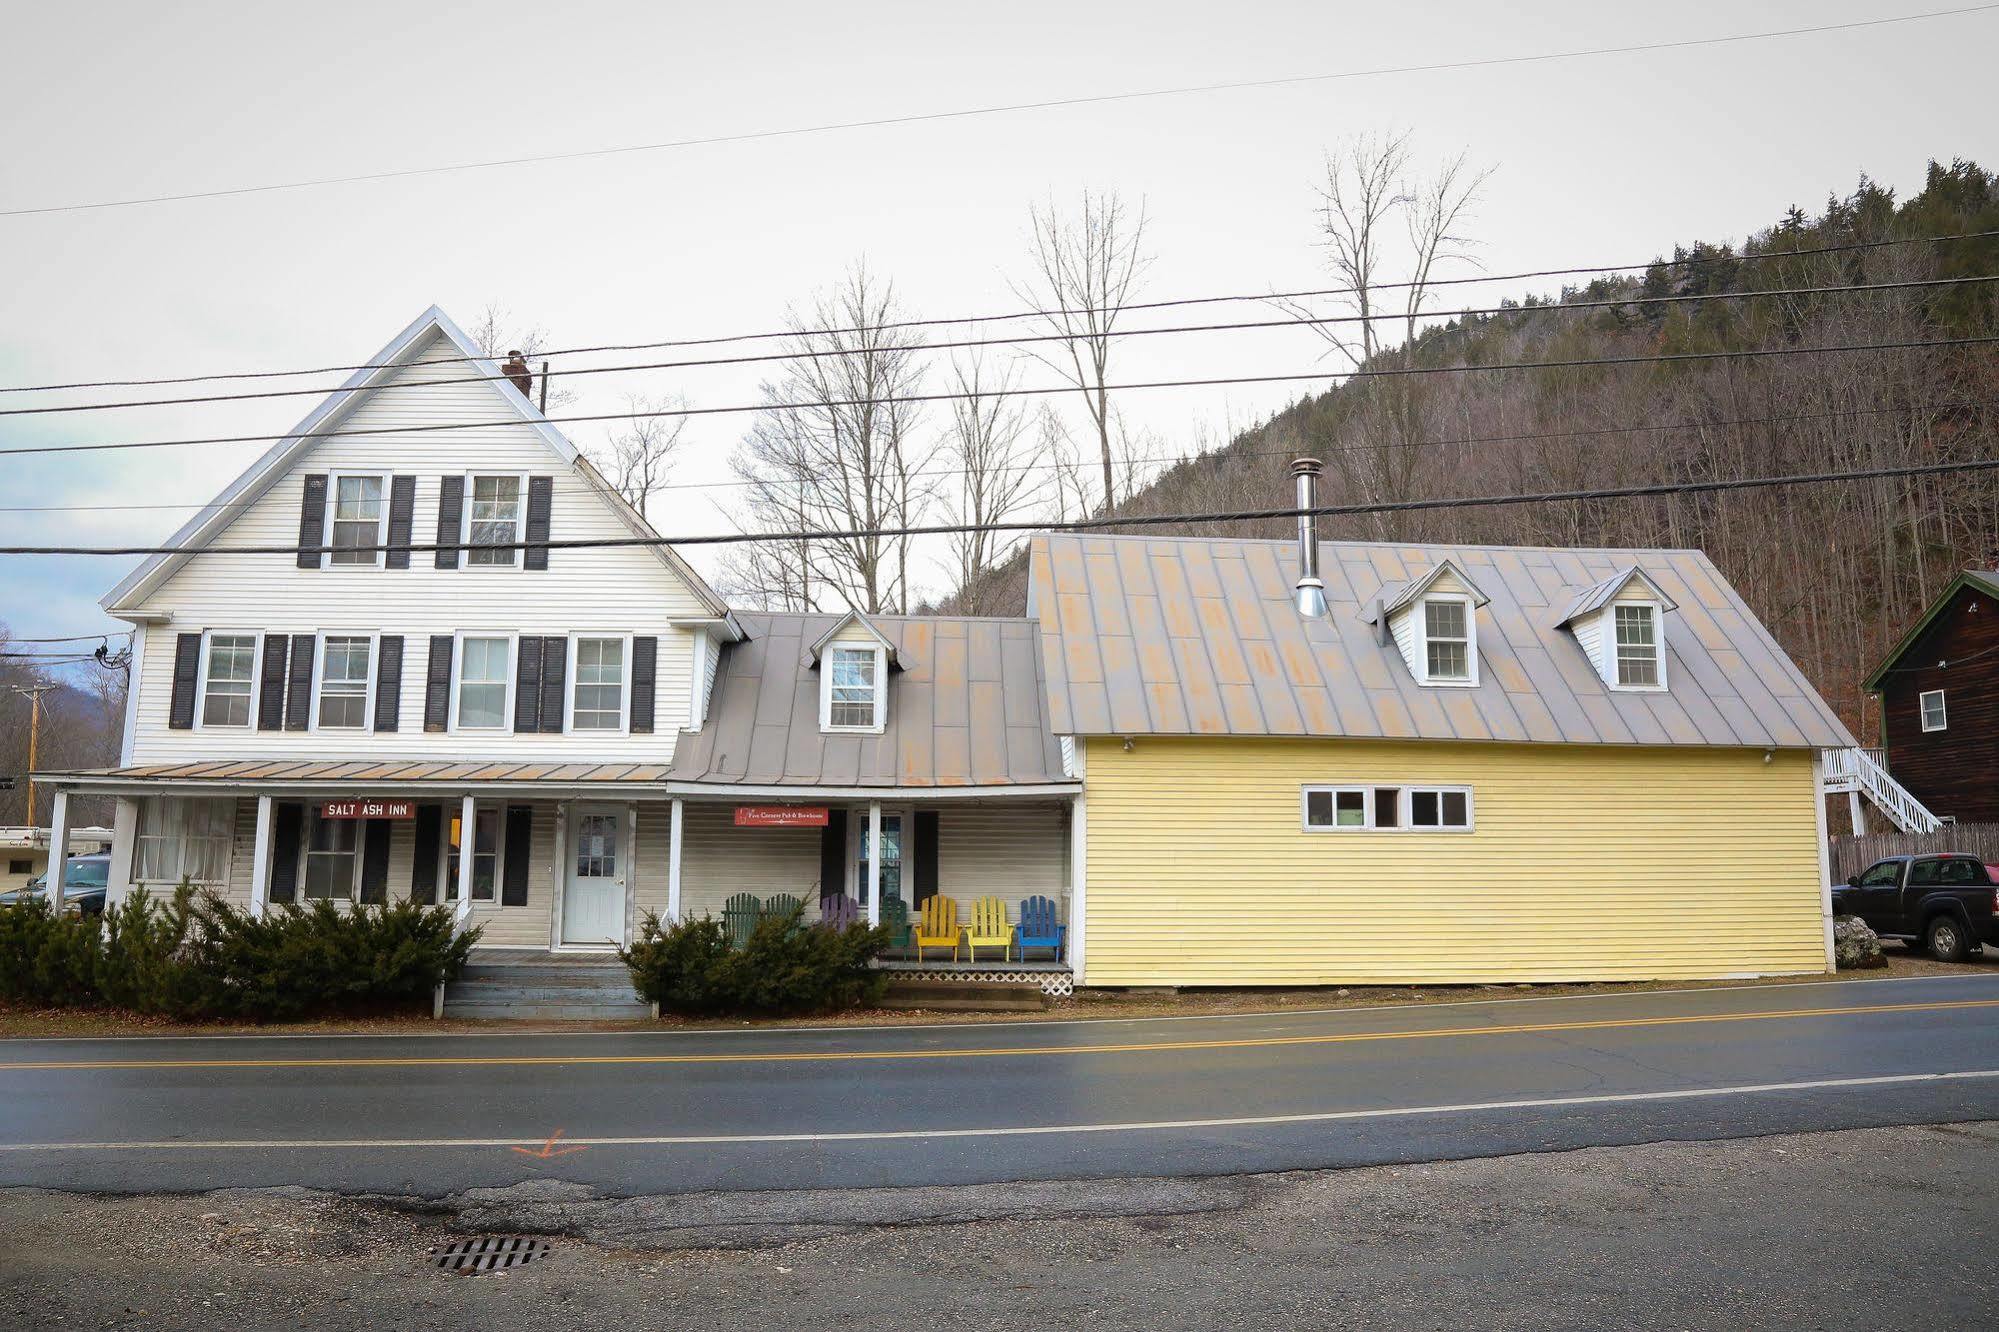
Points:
(854, 688)
(1620, 625)
(1447, 640)
(1637, 626)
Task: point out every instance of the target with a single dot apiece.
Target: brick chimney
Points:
(516, 369)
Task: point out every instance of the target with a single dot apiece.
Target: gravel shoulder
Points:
(16, 1022)
(1679, 1235)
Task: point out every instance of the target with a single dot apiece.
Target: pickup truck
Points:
(1946, 904)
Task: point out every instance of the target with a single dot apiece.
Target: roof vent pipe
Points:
(1311, 592)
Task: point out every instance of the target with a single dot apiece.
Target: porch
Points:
(565, 861)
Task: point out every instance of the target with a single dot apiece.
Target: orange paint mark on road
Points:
(548, 1151)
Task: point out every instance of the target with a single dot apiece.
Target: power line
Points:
(74, 638)
(1219, 454)
(1007, 108)
(811, 353)
(1059, 312)
(1081, 525)
(1665, 358)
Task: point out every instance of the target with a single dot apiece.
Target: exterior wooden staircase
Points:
(1858, 772)
(566, 989)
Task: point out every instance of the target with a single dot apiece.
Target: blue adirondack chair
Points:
(839, 912)
(1039, 928)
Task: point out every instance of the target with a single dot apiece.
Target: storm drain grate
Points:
(494, 1253)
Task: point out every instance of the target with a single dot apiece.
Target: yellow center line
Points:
(994, 1052)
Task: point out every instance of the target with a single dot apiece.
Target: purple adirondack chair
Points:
(838, 912)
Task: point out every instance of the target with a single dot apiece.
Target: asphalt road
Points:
(626, 1114)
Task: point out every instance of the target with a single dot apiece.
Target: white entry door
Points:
(593, 900)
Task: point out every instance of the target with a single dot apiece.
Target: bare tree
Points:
(641, 454)
(1367, 191)
(839, 455)
(1087, 267)
(994, 482)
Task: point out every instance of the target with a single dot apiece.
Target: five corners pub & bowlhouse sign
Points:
(780, 816)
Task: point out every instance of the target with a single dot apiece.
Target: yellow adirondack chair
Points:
(989, 928)
(937, 927)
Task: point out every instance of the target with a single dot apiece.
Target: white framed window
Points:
(487, 833)
(1450, 652)
(229, 664)
(357, 517)
(332, 871)
(482, 697)
(1386, 807)
(183, 839)
(853, 687)
(343, 689)
(495, 515)
(597, 676)
(1638, 659)
(1934, 716)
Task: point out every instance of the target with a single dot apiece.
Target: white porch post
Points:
(58, 847)
(674, 827)
(1079, 865)
(874, 862)
(466, 843)
(260, 859)
(1856, 811)
(124, 848)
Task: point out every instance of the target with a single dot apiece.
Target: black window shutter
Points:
(541, 495)
(284, 853)
(402, 508)
(519, 837)
(554, 674)
(298, 689)
(423, 874)
(312, 521)
(833, 855)
(388, 682)
(527, 684)
(645, 668)
(450, 508)
(375, 862)
(437, 684)
(923, 858)
(271, 695)
(187, 673)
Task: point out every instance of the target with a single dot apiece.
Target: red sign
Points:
(368, 809)
(780, 816)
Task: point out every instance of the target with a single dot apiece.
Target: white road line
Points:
(1023, 1131)
(756, 1029)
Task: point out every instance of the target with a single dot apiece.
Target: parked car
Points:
(83, 885)
(1946, 904)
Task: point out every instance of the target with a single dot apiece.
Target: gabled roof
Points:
(967, 711)
(1394, 596)
(261, 475)
(855, 617)
(1197, 636)
(1599, 595)
(1986, 581)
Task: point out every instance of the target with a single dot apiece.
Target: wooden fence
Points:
(1850, 855)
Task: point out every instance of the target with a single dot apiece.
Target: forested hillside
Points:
(1836, 570)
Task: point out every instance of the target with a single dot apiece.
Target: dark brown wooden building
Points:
(1939, 691)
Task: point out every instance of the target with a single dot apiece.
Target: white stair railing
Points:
(1862, 770)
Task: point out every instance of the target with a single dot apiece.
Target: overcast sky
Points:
(1599, 160)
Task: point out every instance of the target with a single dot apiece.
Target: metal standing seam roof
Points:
(1197, 636)
(966, 710)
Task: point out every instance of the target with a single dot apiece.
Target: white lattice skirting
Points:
(1059, 984)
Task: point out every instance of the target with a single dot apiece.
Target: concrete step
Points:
(579, 991)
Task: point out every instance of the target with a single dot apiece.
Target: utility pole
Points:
(544, 388)
(34, 695)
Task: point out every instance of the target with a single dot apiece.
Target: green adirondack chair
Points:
(784, 904)
(895, 919)
(739, 916)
